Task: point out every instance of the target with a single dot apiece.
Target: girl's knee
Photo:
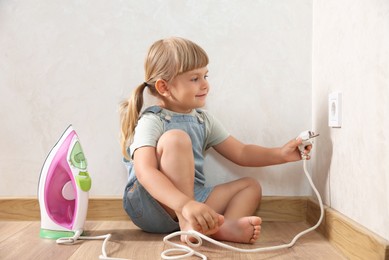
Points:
(175, 139)
(254, 185)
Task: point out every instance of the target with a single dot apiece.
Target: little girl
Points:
(164, 150)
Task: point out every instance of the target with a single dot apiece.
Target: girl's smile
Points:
(202, 96)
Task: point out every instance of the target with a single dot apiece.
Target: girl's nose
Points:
(205, 85)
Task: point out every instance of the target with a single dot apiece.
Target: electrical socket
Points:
(335, 109)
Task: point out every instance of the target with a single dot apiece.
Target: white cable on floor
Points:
(187, 251)
(77, 238)
(179, 248)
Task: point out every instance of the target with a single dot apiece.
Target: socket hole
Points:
(333, 108)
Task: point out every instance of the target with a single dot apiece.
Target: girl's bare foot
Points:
(185, 226)
(243, 230)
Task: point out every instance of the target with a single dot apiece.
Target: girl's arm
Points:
(256, 156)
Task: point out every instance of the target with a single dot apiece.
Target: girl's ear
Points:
(162, 87)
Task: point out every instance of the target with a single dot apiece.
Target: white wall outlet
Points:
(335, 109)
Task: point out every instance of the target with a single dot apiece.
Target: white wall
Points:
(65, 62)
(351, 55)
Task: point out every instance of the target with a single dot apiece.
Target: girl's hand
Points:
(291, 153)
(201, 217)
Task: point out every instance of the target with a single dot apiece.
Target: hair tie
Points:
(145, 84)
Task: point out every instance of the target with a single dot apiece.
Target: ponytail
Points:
(129, 115)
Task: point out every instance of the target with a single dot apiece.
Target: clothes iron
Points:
(63, 189)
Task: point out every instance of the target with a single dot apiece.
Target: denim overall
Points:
(143, 209)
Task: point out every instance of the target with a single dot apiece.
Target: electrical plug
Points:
(307, 139)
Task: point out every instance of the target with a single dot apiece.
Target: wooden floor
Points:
(20, 240)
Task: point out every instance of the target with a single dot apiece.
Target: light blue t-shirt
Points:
(203, 129)
(150, 127)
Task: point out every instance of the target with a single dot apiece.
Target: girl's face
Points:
(187, 91)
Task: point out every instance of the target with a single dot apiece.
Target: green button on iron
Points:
(77, 157)
(84, 181)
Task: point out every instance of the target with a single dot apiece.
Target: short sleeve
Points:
(147, 132)
(216, 133)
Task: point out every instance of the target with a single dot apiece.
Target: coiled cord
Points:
(187, 251)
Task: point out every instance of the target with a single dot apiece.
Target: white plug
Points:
(307, 139)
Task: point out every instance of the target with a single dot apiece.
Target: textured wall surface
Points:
(65, 62)
(351, 55)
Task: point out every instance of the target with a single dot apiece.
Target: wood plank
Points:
(19, 209)
(8, 228)
(310, 246)
(106, 209)
(285, 209)
(127, 242)
(272, 208)
(351, 238)
(130, 242)
(313, 215)
(26, 244)
(354, 240)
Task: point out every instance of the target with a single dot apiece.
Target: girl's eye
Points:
(197, 78)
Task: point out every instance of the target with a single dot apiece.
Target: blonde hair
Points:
(166, 59)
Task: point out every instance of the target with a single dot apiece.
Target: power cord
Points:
(77, 238)
(179, 248)
(185, 251)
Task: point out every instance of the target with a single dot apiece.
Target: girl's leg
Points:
(172, 145)
(237, 201)
(176, 161)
